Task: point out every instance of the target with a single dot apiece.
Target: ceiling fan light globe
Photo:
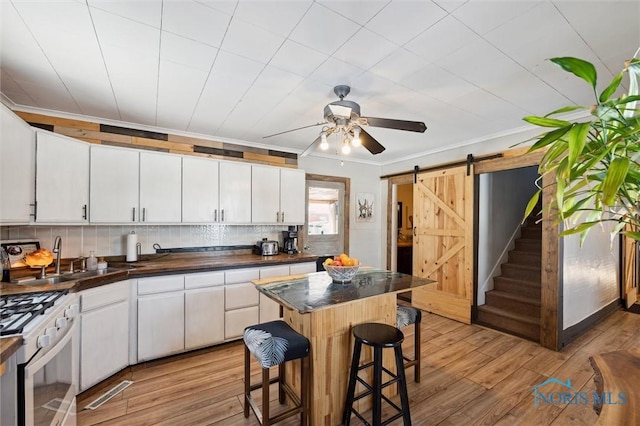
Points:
(346, 148)
(356, 142)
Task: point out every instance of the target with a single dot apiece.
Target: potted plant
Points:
(596, 162)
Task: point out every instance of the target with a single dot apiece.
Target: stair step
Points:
(514, 303)
(529, 245)
(521, 272)
(516, 286)
(531, 232)
(517, 324)
(525, 258)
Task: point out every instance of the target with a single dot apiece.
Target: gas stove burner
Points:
(18, 310)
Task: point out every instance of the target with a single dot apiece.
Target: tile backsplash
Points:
(110, 240)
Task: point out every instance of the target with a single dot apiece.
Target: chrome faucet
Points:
(58, 251)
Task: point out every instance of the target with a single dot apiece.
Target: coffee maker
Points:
(290, 241)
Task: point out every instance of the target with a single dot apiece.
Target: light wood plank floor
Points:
(470, 375)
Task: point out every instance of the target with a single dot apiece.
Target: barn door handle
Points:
(414, 231)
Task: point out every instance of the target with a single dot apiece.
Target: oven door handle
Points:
(36, 364)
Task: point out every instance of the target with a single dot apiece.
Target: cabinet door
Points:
(204, 317)
(199, 190)
(235, 192)
(160, 188)
(113, 194)
(104, 343)
(292, 196)
(17, 168)
(269, 309)
(240, 296)
(265, 194)
(237, 320)
(62, 179)
(160, 325)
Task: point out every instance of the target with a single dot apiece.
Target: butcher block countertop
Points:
(162, 264)
(149, 265)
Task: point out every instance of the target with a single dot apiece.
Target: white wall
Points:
(365, 238)
(503, 197)
(590, 274)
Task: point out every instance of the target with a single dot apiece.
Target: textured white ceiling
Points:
(241, 70)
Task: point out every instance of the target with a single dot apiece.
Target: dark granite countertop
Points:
(317, 291)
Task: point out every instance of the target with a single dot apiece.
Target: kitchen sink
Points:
(66, 277)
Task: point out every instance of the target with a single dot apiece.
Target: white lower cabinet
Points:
(241, 301)
(176, 313)
(269, 309)
(104, 332)
(204, 309)
(160, 325)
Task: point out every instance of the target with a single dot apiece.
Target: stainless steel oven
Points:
(47, 362)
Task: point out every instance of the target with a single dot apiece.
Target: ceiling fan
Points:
(343, 117)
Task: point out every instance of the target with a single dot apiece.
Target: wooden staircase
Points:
(513, 306)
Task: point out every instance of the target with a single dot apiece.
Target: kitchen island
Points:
(325, 312)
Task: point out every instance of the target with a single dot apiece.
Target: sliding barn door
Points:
(443, 242)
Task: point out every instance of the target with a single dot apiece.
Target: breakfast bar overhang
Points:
(325, 312)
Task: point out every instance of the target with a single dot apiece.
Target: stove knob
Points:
(43, 341)
(70, 312)
(52, 332)
(61, 323)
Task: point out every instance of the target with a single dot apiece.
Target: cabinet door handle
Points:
(144, 214)
(134, 215)
(414, 231)
(84, 212)
(222, 215)
(215, 215)
(282, 216)
(277, 216)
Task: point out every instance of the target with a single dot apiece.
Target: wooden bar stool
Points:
(274, 343)
(378, 336)
(408, 315)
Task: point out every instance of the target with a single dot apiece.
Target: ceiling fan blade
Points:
(370, 143)
(412, 126)
(293, 130)
(310, 147)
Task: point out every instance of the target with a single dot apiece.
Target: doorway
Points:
(327, 215)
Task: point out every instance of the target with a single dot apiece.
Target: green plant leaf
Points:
(533, 201)
(569, 108)
(616, 174)
(579, 67)
(550, 137)
(611, 88)
(581, 227)
(577, 139)
(546, 122)
(631, 234)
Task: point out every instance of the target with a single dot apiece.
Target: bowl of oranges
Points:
(342, 268)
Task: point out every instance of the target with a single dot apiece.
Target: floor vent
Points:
(110, 394)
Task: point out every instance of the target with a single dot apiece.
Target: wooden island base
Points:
(329, 332)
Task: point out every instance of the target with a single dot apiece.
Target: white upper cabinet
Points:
(132, 186)
(114, 185)
(160, 188)
(292, 196)
(278, 195)
(235, 193)
(17, 168)
(200, 190)
(62, 179)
